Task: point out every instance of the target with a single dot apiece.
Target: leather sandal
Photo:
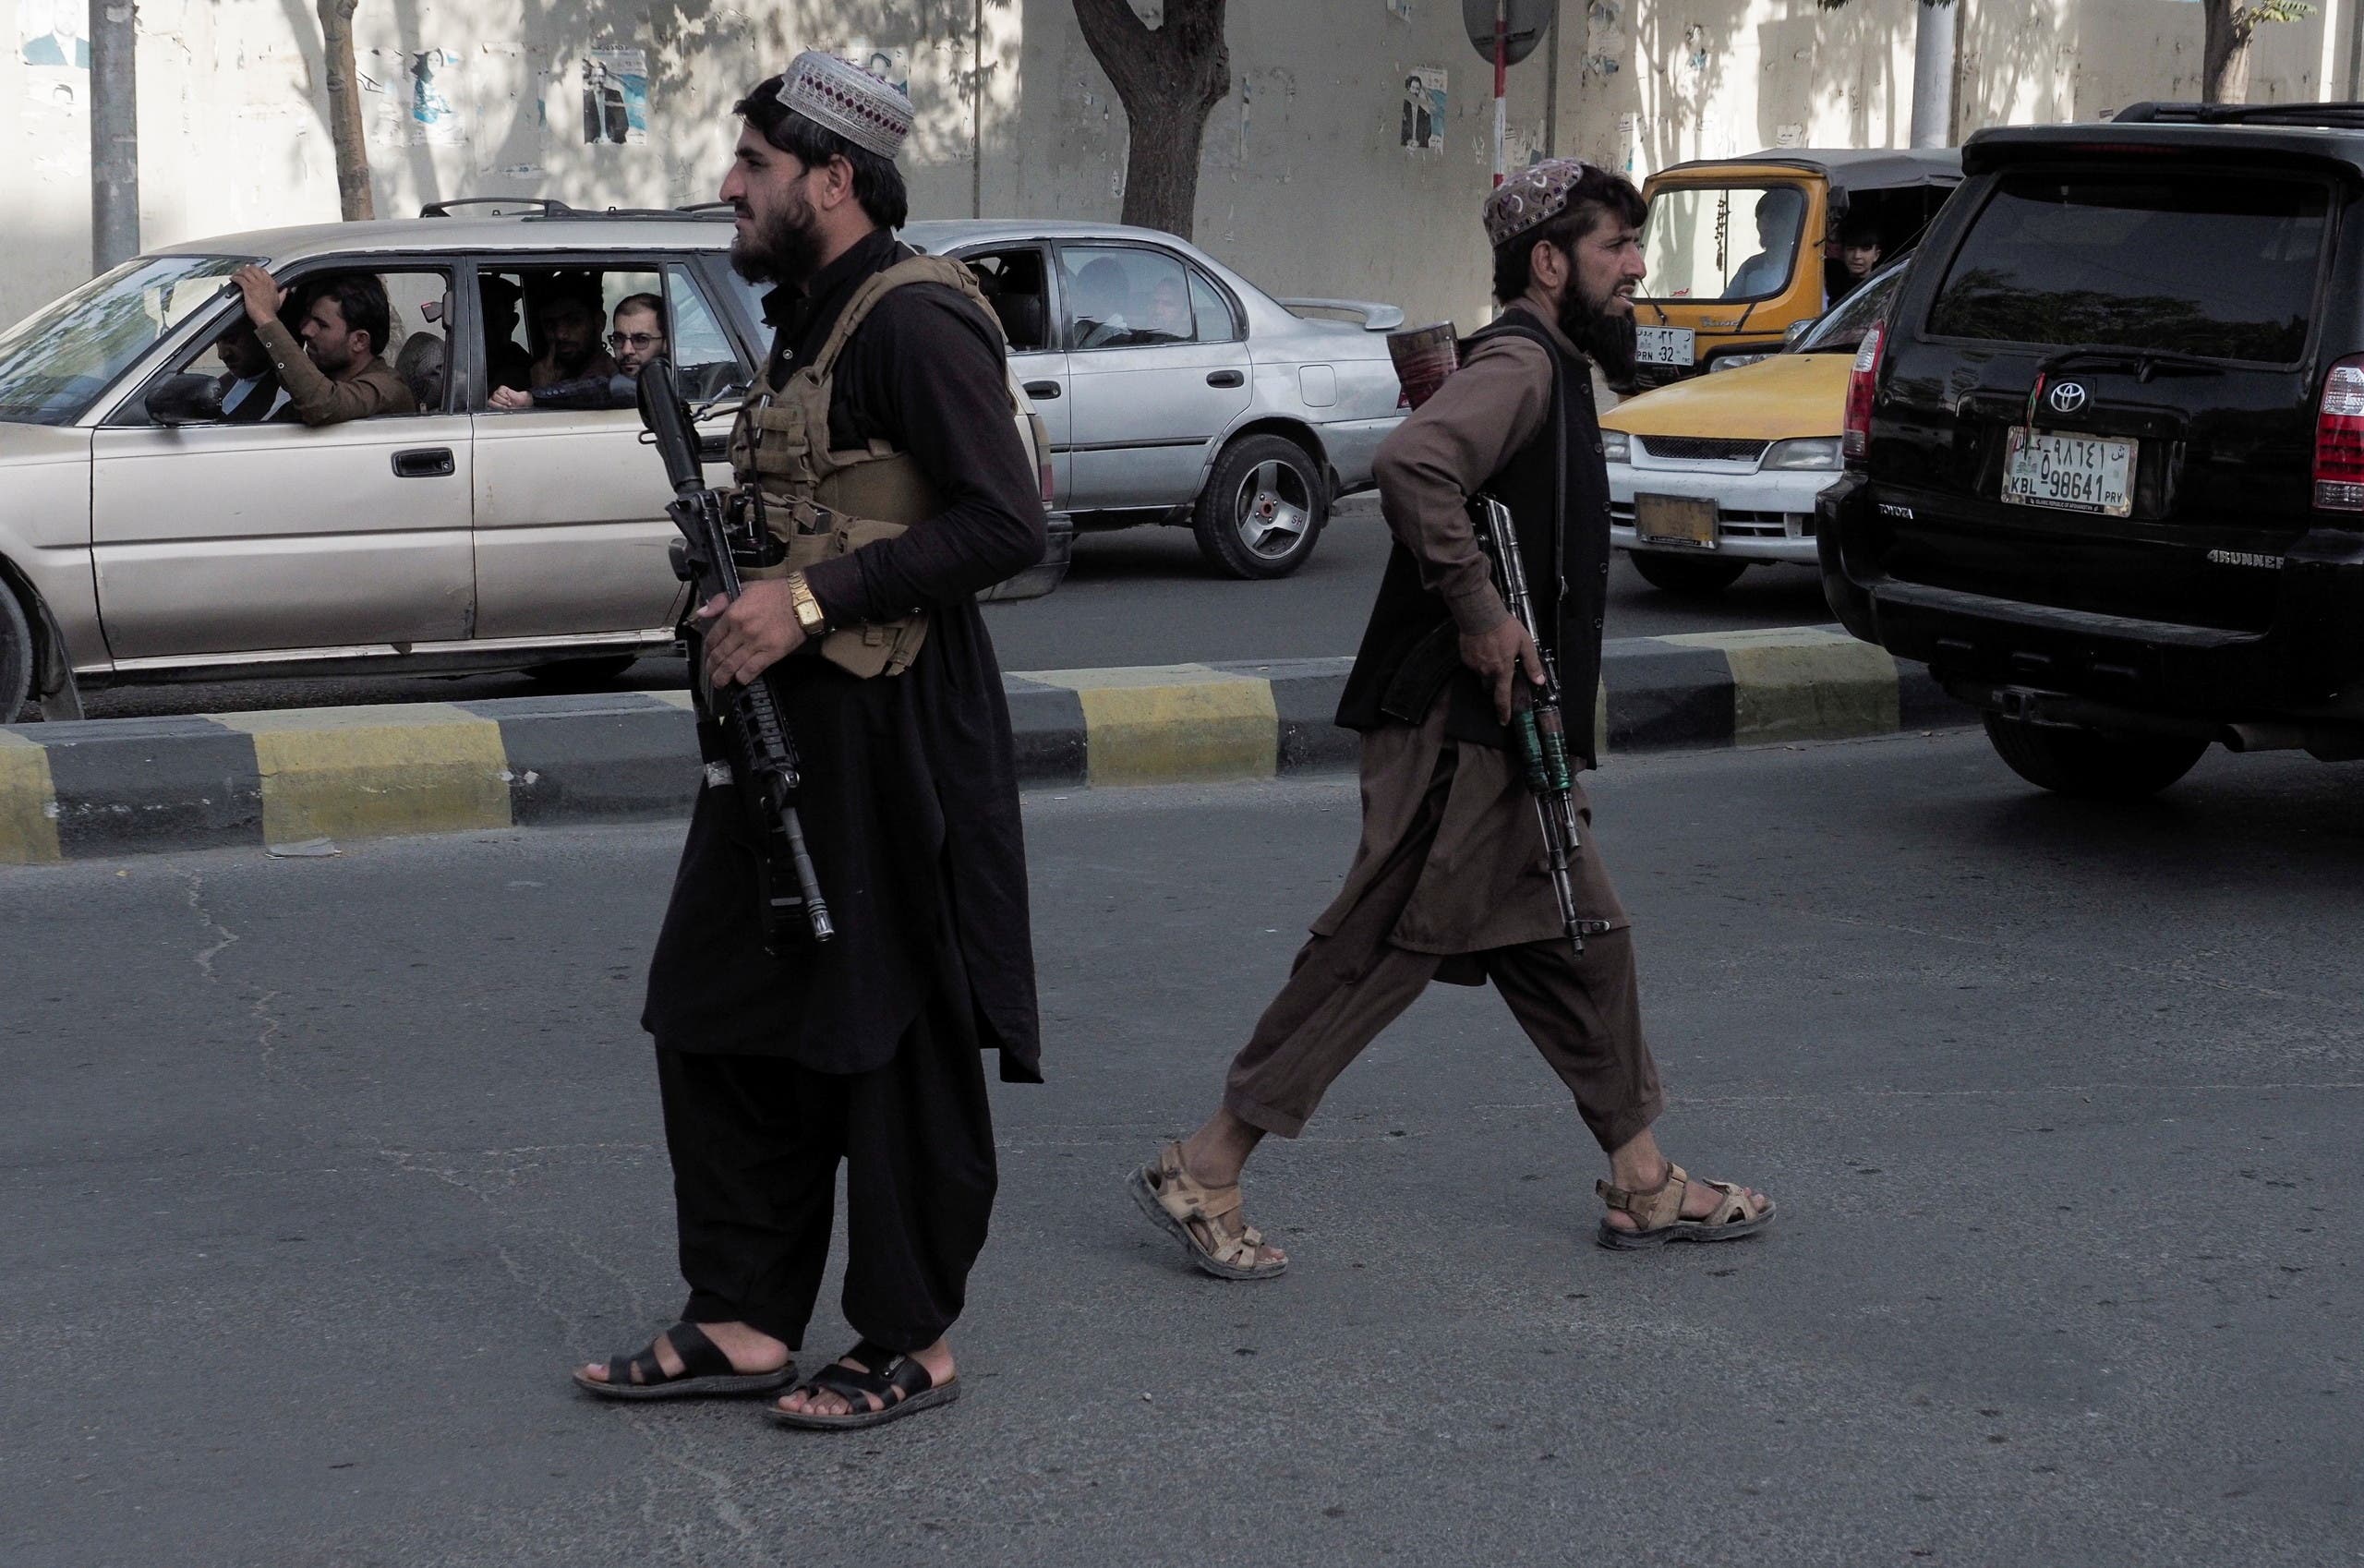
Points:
(1205, 1219)
(1657, 1214)
(883, 1385)
(706, 1372)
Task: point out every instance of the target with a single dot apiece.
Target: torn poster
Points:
(1424, 110)
(615, 97)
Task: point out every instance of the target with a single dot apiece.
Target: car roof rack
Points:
(543, 209)
(2336, 117)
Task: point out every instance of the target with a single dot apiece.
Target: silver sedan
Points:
(1176, 391)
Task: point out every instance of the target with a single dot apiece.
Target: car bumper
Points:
(2070, 665)
(1352, 446)
(1045, 574)
(1759, 516)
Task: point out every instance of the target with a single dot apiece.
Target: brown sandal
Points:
(1657, 1214)
(1205, 1219)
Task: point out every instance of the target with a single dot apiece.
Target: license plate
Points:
(2070, 473)
(1664, 346)
(1675, 520)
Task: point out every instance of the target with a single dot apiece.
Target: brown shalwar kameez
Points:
(1450, 881)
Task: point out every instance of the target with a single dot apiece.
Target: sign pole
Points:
(1501, 78)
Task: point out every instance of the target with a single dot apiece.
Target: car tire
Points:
(2089, 764)
(16, 656)
(1263, 507)
(1685, 575)
(582, 674)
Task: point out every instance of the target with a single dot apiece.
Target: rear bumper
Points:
(2000, 654)
(1351, 446)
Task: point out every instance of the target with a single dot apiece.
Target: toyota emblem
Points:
(2067, 397)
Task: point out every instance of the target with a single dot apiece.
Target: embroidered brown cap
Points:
(1536, 194)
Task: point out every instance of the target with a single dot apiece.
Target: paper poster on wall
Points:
(1423, 113)
(891, 65)
(50, 33)
(615, 98)
(432, 118)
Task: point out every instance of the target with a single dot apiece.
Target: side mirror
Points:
(186, 400)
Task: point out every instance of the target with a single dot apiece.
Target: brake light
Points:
(1855, 443)
(2339, 439)
(1050, 491)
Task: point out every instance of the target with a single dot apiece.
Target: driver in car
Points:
(340, 371)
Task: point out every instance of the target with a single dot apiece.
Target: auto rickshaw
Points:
(1740, 249)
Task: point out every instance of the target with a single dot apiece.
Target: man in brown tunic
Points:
(339, 372)
(1450, 881)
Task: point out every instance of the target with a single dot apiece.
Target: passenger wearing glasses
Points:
(638, 337)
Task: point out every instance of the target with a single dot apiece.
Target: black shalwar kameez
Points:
(772, 1068)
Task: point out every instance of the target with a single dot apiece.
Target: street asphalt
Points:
(321, 1172)
(1137, 596)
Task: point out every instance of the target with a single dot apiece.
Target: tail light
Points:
(1050, 491)
(1855, 443)
(2339, 439)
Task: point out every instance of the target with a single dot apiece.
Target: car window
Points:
(1722, 242)
(1125, 296)
(57, 360)
(707, 362)
(2221, 268)
(564, 338)
(1842, 329)
(1016, 283)
(1217, 322)
(233, 360)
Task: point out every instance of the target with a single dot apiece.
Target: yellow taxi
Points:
(1713, 475)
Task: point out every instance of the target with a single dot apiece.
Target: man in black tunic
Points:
(886, 400)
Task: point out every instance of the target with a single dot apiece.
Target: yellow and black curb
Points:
(115, 787)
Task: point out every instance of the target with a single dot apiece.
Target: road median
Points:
(273, 779)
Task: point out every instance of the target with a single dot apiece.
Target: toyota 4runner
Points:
(2106, 453)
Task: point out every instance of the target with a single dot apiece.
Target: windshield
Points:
(2221, 268)
(1721, 242)
(1842, 330)
(57, 360)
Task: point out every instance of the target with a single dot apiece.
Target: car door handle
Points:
(715, 448)
(424, 462)
(1045, 389)
(1225, 379)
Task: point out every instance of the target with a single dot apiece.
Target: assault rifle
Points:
(1537, 723)
(717, 539)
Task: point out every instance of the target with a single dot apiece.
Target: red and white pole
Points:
(1501, 78)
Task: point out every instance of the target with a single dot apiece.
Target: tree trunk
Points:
(2225, 52)
(344, 111)
(1169, 78)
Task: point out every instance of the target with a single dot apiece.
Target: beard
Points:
(1601, 329)
(782, 249)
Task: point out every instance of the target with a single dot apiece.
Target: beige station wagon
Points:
(146, 536)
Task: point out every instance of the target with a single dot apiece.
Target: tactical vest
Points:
(824, 503)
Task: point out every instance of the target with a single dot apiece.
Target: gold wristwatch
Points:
(809, 614)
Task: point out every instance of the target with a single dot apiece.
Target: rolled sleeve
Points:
(1444, 453)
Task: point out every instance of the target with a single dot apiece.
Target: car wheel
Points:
(1685, 574)
(2089, 764)
(1263, 507)
(16, 656)
(582, 674)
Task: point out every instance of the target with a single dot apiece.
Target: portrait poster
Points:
(615, 98)
(1423, 110)
(433, 121)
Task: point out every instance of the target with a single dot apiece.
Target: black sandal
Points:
(898, 1383)
(706, 1372)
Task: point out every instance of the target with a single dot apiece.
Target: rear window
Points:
(2210, 265)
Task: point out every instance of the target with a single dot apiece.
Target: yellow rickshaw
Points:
(1741, 249)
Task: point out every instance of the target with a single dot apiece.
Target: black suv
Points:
(2106, 454)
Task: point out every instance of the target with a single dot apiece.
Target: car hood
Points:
(1779, 399)
(27, 444)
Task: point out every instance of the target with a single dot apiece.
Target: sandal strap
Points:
(889, 1384)
(642, 1368)
(701, 1358)
(1652, 1206)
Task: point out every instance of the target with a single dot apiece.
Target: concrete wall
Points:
(1305, 183)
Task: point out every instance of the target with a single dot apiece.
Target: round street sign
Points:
(1527, 20)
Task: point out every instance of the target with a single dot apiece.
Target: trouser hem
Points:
(1614, 1132)
(1263, 1119)
(783, 1324)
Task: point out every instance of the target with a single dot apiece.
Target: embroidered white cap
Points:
(871, 112)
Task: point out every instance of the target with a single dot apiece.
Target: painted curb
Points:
(131, 786)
